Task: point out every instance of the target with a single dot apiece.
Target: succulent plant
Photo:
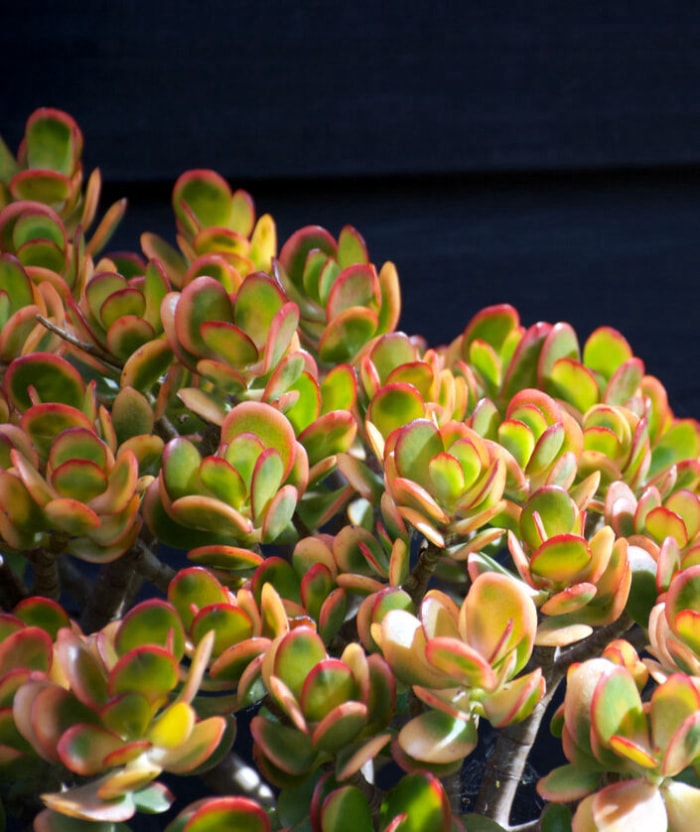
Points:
(116, 709)
(607, 729)
(344, 301)
(462, 662)
(233, 491)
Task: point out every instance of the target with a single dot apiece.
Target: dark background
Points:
(546, 154)
(535, 153)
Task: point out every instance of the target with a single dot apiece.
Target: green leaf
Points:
(267, 424)
(258, 300)
(295, 251)
(346, 810)
(574, 383)
(192, 589)
(348, 332)
(296, 656)
(149, 670)
(492, 325)
(436, 737)
(605, 350)
(181, 461)
(477, 823)
(8, 166)
(288, 749)
(681, 441)
(53, 378)
(151, 622)
(556, 818)
(204, 197)
(43, 613)
(422, 798)
(396, 405)
(154, 799)
(351, 247)
(223, 813)
(230, 624)
(53, 141)
(201, 301)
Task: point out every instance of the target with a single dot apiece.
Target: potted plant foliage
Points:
(388, 546)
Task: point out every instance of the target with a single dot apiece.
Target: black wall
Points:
(318, 88)
(545, 154)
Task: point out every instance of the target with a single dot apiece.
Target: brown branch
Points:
(107, 599)
(73, 581)
(74, 341)
(166, 429)
(150, 567)
(417, 582)
(594, 644)
(452, 784)
(47, 581)
(506, 765)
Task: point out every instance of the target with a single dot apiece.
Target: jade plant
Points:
(233, 492)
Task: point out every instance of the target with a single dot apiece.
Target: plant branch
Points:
(417, 582)
(166, 429)
(452, 783)
(47, 581)
(108, 597)
(594, 644)
(506, 764)
(73, 581)
(71, 339)
(151, 568)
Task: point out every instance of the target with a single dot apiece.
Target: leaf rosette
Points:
(69, 490)
(444, 480)
(21, 300)
(231, 339)
(608, 730)
(26, 652)
(541, 442)
(344, 302)
(463, 662)
(246, 492)
(393, 364)
(116, 712)
(120, 314)
(334, 708)
(673, 627)
(217, 231)
(48, 171)
(417, 803)
(580, 582)
(243, 627)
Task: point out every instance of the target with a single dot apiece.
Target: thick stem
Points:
(596, 642)
(109, 594)
(149, 567)
(73, 581)
(47, 581)
(417, 582)
(506, 764)
(373, 793)
(452, 783)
